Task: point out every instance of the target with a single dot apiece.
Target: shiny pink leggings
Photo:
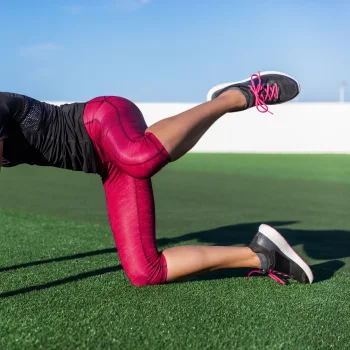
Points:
(127, 157)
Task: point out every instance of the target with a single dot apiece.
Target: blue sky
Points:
(170, 50)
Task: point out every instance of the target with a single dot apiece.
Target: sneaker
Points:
(262, 89)
(278, 257)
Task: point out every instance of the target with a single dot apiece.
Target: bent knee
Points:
(141, 280)
(148, 275)
(141, 172)
(141, 161)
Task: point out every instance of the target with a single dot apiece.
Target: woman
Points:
(109, 136)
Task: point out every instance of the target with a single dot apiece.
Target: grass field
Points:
(62, 285)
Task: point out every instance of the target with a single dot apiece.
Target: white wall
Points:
(293, 128)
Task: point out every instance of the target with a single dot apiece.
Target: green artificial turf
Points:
(62, 286)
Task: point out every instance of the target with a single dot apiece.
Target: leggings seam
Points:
(131, 140)
(138, 223)
(91, 102)
(152, 265)
(135, 164)
(160, 151)
(101, 103)
(118, 121)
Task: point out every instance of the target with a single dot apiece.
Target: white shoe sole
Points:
(224, 85)
(286, 249)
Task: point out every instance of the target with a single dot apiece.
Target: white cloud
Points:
(39, 50)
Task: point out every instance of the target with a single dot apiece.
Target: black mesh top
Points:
(38, 133)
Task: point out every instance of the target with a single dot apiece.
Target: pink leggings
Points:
(127, 157)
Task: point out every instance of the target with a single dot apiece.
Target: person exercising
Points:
(109, 136)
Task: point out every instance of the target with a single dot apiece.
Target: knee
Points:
(140, 279)
(147, 274)
(141, 171)
(143, 158)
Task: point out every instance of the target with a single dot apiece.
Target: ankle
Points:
(234, 98)
(257, 261)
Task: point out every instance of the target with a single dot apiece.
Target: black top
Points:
(38, 133)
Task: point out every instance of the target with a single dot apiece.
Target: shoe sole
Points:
(224, 85)
(286, 249)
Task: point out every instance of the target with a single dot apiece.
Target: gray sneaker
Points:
(260, 90)
(278, 257)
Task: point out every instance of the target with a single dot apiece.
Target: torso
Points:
(38, 133)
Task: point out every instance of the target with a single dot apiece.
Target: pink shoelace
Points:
(271, 92)
(271, 274)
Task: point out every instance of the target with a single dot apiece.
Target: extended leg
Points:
(120, 134)
(180, 133)
(123, 137)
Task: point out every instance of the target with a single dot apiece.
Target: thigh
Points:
(131, 213)
(117, 129)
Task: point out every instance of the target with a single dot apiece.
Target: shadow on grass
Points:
(319, 245)
(322, 272)
(60, 282)
(62, 258)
